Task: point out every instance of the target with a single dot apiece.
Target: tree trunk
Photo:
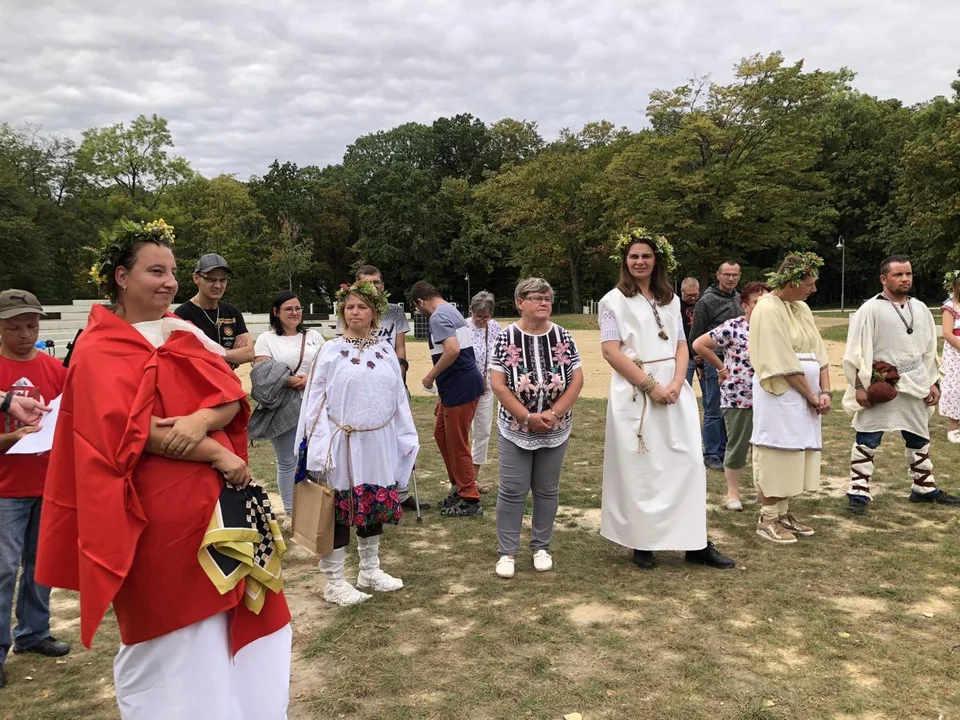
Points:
(574, 280)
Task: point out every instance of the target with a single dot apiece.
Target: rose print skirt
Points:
(370, 503)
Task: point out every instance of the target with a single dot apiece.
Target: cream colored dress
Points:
(786, 439)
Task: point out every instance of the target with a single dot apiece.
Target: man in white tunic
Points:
(899, 330)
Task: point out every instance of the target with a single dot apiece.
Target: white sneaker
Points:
(542, 561)
(344, 594)
(378, 580)
(953, 436)
(505, 566)
(734, 505)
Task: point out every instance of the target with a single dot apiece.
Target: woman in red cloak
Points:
(148, 469)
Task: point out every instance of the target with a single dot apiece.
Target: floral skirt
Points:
(370, 503)
(950, 385)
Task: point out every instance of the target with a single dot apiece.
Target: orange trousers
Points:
(452, 433)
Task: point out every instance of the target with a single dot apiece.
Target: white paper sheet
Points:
(42, 440)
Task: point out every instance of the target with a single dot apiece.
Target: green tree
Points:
(134, 160)
(730, 170)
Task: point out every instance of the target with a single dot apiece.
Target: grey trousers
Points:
(520, 472)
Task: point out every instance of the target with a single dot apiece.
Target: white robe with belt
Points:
(654, 500)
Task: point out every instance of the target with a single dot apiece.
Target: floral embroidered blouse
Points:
(538, 369)
(732, 337)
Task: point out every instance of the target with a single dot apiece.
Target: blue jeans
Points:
(714, 432)
(285, 447)
(872, 440)
(19, 529)
(691, 369)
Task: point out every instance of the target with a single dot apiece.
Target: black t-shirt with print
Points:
(222, 325)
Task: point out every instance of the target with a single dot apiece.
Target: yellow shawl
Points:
(778, 331)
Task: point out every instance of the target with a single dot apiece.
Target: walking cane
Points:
(416, 495)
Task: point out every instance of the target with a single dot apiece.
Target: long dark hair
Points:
(282, 297)
(659, 283)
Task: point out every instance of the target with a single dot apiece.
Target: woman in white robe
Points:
(654, 481)
(361, 440)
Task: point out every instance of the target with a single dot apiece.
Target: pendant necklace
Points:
(656, 316)
(909, 326)
(216, 324)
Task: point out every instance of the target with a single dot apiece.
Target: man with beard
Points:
(892, 333)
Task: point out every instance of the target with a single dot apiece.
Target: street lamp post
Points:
(842, 247)
(466, 276)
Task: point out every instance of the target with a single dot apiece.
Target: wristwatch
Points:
(8, 401)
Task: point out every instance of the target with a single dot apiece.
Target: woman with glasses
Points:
(535, 374)
(485, 331)
(282, 360)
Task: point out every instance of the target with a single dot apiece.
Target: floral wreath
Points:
(110, 254)
(366, 290)
(662, 249)
(950, 279)
(808, 264)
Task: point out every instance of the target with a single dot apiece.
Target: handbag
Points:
(313, 516)
(883, 383)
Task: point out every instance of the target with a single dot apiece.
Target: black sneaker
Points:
(49, 646)
(938, 496)
(712, 463)
(3, 676)
(711, 557)
(463, 509)
(450, 500)
(644, 559)
(857, 504)
(411, 504)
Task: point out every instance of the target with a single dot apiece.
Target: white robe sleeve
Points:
(314, 424)
(408, 442)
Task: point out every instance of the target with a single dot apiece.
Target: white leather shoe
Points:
(505, 566)
(542, 561)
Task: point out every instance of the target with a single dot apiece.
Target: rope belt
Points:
(642, 446)
(349, 431)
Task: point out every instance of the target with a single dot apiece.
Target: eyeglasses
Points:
(730, 276)
(214, 281)
(540, 299)
(292, 310)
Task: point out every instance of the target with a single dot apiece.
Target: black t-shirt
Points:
(686, 314)
(222, 325)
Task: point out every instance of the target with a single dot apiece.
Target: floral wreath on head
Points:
(662, 249)
(809, 263)
(109, 255)
(366, 290)
(950, 279)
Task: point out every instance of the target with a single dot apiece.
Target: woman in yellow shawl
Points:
(791, 390)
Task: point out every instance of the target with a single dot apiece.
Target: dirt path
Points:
(596, 372)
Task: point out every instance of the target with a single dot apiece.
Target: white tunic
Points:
(654, 500)
(361, 389)
(877, 333)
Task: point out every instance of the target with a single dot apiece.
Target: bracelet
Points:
(648, 384)
(826, 392)
(403, 363)
(7, 402)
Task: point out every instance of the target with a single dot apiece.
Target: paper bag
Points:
(313, 516)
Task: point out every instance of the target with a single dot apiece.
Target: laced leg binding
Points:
(861, 470)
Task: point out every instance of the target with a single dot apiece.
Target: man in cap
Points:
(25, 372)
(220, 321)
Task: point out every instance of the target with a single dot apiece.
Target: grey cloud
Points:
(244, 82)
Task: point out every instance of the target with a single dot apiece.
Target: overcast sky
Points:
(245, 81)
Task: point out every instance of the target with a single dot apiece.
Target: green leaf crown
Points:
(662, 249)
(367, 290)
(950, 279)
(109, 255)
(808, 263)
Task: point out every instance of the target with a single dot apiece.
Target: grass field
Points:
(859, 621)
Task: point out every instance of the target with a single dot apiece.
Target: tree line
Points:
(780, 158)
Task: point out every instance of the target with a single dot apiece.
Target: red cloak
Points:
(122, 526)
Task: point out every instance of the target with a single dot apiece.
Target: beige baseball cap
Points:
(19, 302)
